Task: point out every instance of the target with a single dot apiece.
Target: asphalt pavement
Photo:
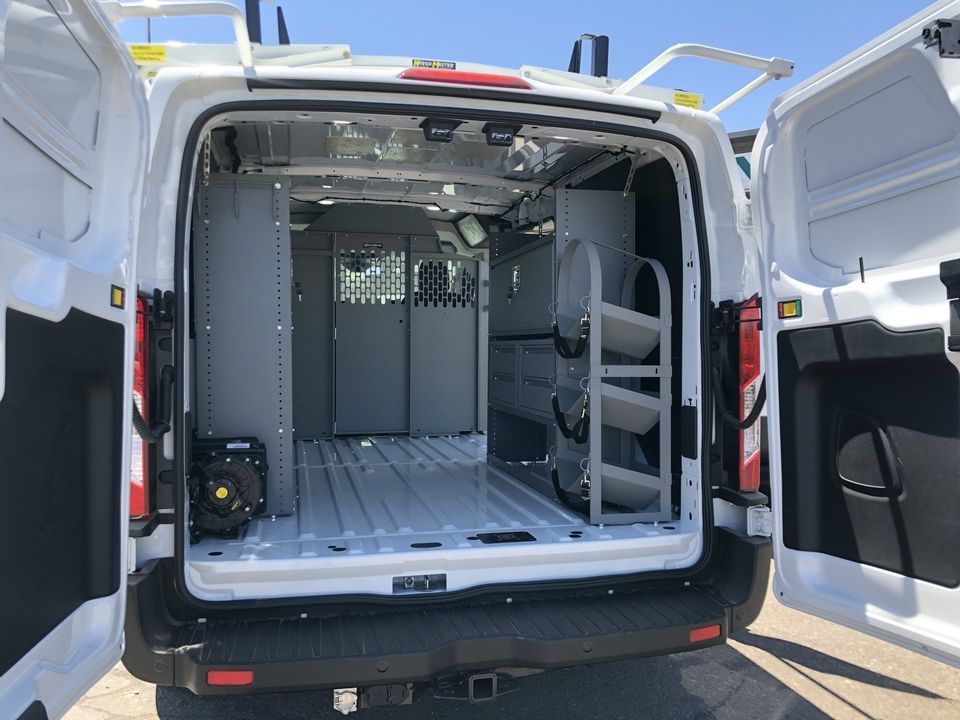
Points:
(787, 665)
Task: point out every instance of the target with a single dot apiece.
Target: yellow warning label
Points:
(687, 99)
(118, 296)
(144, 54)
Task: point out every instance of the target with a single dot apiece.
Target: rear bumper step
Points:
(416, 644)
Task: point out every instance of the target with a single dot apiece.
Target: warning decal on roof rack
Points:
(688, 99)
(435, 64)
(143, 54)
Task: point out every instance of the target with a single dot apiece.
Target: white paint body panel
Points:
(847, 165)
(73, 137)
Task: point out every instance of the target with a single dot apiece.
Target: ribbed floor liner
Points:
(379, 487)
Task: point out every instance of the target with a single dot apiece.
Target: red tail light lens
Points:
(461, 77)
(749, 388)
(230, 677)
(139, 474)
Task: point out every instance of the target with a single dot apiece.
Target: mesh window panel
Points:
(444, 283)
(372, 276)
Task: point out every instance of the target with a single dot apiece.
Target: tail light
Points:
(461, 77)
(749, 329)
(139, 468)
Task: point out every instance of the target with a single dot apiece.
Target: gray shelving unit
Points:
(613, 381)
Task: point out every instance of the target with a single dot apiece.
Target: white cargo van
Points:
(442, 373)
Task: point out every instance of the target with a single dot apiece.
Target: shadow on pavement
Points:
(821, 662)
(712, 683)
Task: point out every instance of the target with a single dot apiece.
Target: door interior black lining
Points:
(61, 438)
(870, 435)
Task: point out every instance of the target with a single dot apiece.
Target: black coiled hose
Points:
(162, 426)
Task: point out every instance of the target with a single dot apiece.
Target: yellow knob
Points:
(221, 492)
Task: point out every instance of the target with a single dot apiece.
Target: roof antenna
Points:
(282, 27)
(253, 21)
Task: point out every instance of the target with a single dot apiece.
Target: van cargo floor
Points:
(374, 508)
(381, 489)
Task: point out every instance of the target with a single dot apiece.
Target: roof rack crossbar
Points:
(771, 69)
(118, 12)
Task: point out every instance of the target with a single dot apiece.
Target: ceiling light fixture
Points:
(326, 201)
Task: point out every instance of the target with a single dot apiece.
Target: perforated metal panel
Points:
(372, 276)
(445, 283)
(242, 318)
(443, 345)
(372, 333)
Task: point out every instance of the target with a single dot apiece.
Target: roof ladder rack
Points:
(771, 69)
(118, 12)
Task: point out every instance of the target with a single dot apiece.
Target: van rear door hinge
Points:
(946, 34)
(759, 521)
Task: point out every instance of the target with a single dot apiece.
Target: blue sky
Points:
(813, 33)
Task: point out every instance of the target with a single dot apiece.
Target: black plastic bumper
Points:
(167, 645)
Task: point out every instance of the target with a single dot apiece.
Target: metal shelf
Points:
(613, 398)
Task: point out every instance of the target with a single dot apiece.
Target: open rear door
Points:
(73, 136)
(857, 184)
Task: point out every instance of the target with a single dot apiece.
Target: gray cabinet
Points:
(521, 290)
(520, 374)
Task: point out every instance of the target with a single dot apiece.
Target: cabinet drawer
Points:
(503, 358)
(503, 388)
(535, 396)
(538, 361)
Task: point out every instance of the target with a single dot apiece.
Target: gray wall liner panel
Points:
(372, 330)
(444, 345)
(312, 343)
(602, 216)
(242, 305)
